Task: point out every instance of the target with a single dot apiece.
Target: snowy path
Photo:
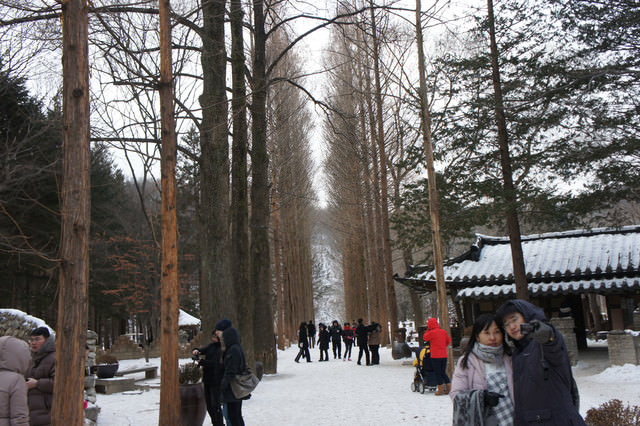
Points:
(343, 393)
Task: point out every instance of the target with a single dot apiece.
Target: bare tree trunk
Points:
(513, 227)
(434, 199)
(391, 310)
(67, 406)
(217, 295)
(169, 395)
(260, 256)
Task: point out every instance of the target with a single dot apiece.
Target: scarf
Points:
(490, 354)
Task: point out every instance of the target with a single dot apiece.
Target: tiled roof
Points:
(594, 286)
(603, 253)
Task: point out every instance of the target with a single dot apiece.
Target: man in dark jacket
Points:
(362, 337)
(234, 364)
(335, 331)
(212, 371)
(40, 377)
(544, 389)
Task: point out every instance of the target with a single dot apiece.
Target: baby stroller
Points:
(424, 379)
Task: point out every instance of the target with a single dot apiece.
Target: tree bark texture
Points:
(169, 393)
(261, 280)
(217, 294)
(510, 199)
(73, 283)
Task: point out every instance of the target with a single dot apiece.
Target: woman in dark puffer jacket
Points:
(234, 364)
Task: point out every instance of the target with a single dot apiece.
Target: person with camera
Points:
(544, 389)
(212, 371)
(482, 384)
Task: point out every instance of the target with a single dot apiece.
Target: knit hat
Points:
(223, 324)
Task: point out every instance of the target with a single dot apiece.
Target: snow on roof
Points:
(537, 289)
(185, 319)
(27, 320)
(558, 255)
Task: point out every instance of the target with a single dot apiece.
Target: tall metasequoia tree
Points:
(389, 286)
(239, 198)
(169, 395)
(513, 227)
(217, 294)
(434, 199)
(75, 211)
(260, 272)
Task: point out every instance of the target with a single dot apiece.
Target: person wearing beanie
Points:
(40, 377)
(212, 371)
(543, 384)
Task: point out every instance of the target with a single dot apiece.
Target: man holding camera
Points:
(544, 389)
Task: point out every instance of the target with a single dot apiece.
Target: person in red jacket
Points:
(439, 340)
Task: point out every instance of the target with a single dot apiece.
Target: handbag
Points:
(244, 383)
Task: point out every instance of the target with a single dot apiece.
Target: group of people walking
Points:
(515, 370)
(367, 337)
(223, 359)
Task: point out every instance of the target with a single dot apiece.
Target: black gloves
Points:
(491, 399)
(539, 331)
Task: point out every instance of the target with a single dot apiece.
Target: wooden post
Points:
(434, 200)
(75, 198)
(169, 391)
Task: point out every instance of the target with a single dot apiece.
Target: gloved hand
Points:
(491, 399)
(542, 332)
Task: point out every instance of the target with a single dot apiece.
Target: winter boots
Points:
(443, 389)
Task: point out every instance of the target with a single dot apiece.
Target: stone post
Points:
(624, 348)
(566, 327)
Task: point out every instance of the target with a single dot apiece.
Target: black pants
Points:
(363, 349)
(347, 348)
(324, 354)
(234, 409)
(304, 351)
(336, 345)
(212, 398)
(375, 355)
(440, 368)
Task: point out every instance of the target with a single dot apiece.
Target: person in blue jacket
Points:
(544, 389)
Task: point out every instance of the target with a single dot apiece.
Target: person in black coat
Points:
(335, 331)
(234, 363)
(303, 343)
(544, 388)
(362, 338)
(212, 371)
(323, 342)
(311, 333)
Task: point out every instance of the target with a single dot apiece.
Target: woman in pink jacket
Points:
(15, 360)
(482, 386)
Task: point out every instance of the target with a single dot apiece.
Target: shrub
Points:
(613, 413)
(189, 373)
(105, 358)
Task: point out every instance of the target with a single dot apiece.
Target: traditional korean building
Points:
(591, 275)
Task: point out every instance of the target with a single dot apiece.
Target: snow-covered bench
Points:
(150, 372)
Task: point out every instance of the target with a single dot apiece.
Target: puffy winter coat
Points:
(347, 334)
(15, 361)
(323, 338)
(375, 336)
(542, 377)
(44, 371)
(335, 331)
(234, 362)
(474, 377)
(212, 364)
(438, 338)
(303, 338)
(362, 334)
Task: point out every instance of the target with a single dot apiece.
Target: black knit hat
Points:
(223, 324)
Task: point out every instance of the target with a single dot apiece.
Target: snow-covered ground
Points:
(338, 392)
